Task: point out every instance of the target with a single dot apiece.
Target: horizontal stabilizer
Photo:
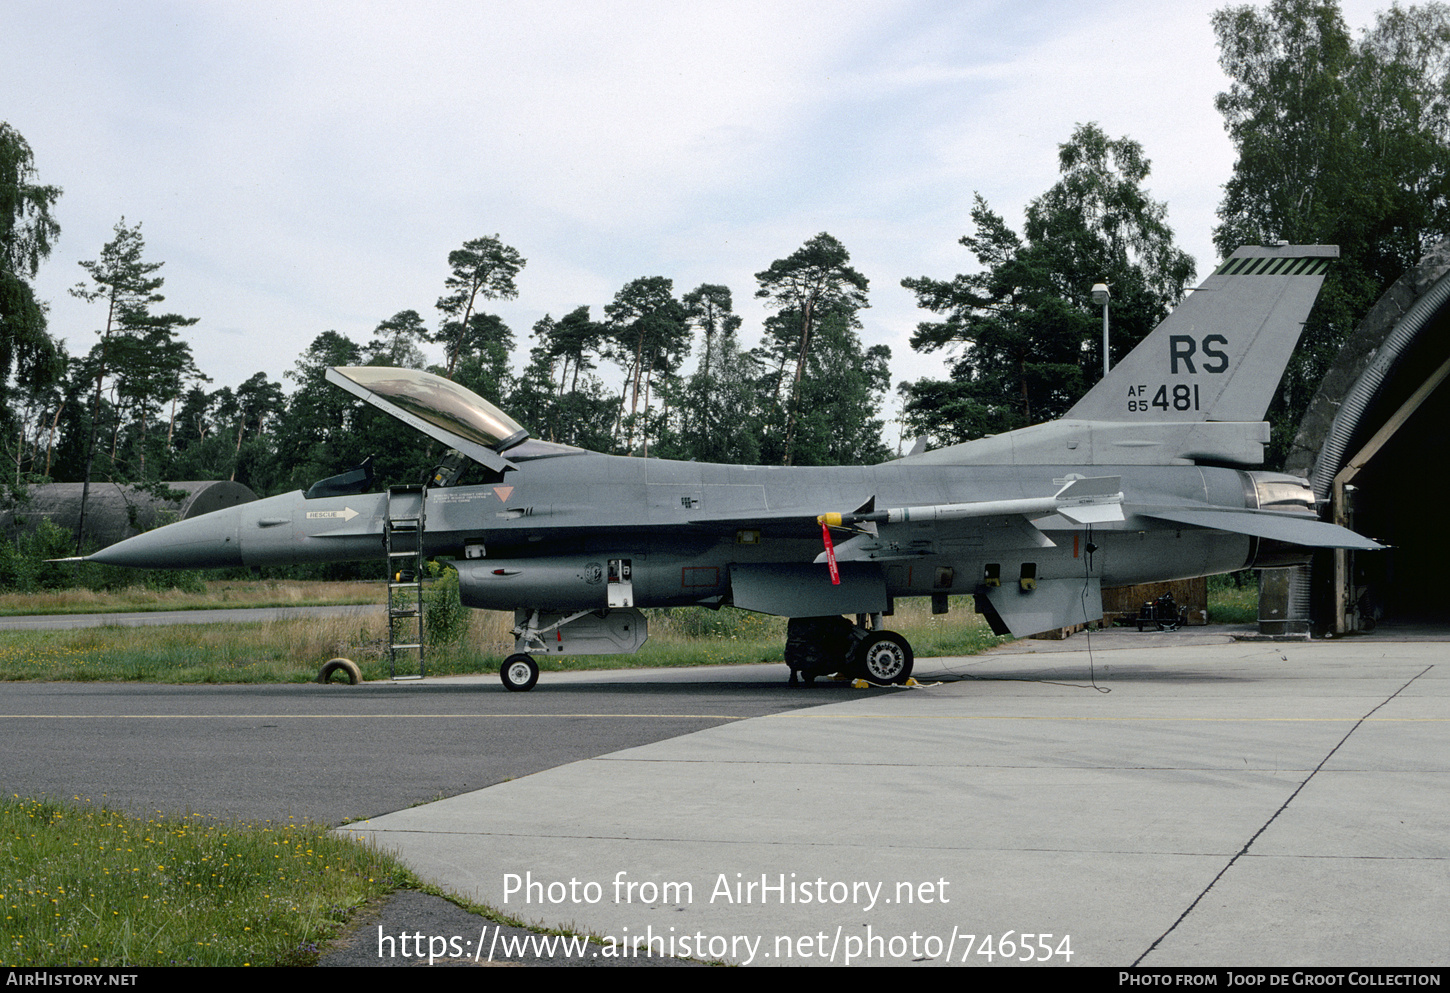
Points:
(1292, 529)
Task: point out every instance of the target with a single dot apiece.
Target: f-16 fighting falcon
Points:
(1150, 477)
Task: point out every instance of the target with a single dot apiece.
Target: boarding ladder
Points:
(407, 576)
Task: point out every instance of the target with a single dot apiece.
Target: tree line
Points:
(1339, 141)
(135, 407)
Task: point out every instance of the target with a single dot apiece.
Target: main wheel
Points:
(519, 673)
(817, 646)
(885, 658)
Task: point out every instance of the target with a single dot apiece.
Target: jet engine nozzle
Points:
(1281, 492)
(1278, 491)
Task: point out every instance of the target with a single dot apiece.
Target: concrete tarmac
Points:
(1160, 800)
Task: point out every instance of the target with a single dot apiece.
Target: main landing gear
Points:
(819, 646)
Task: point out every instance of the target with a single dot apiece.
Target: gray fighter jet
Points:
(1148, 478)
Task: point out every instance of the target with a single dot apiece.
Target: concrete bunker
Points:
(115, 512)
(1373, 442)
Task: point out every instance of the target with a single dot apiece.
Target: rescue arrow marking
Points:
(346, 514)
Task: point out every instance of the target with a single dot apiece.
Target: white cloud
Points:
(307, 166)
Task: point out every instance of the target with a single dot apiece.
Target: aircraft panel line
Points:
(1243, 852)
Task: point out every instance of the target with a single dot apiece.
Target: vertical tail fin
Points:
(1220, 355)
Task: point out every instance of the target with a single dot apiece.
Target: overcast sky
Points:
(303, 166)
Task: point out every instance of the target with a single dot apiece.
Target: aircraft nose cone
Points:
(205, 542)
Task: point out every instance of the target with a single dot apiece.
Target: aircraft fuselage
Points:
(546, 537)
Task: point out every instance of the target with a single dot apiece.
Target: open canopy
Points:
(441, 409)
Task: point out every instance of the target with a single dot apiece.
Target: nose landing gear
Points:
(519, 673)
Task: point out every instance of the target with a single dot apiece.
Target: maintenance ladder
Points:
(407, 576)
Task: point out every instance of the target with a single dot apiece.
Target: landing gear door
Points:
(621, 583)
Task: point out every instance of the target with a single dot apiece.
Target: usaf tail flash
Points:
(1220, 355)
(1196, 389)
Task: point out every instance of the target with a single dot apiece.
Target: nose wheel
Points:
(519, 673)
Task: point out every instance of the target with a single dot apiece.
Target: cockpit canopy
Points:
(447, 412)
(441, 409)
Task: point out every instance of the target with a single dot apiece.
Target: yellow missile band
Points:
(833, 520)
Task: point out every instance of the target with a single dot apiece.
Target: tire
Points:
(818, 645)
(519, 673)
(884, 658)
(346, 666)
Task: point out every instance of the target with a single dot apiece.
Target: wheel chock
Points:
(347, 667)
(862, 684)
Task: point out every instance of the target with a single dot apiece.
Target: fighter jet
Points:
(1148, 478)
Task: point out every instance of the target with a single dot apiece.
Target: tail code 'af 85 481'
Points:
(1219, 356)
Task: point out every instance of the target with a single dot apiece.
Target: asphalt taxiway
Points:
(336, 752)
(155, 618)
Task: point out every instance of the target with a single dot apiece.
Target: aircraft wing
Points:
(900, 533)
(1294, 529)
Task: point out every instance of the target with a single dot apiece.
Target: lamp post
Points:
(1100, 297)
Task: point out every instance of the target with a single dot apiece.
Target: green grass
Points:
(1229, 603)
(293, 650)
(83, 885)
(215, 594)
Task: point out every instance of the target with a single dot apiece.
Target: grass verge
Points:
(293, 650)
(84, 885)
(1233, 603)
(218, 594)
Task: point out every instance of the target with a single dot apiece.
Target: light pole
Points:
(1100, 297)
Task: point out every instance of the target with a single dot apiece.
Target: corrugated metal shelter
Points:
(115, 512)
(1374, 445)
